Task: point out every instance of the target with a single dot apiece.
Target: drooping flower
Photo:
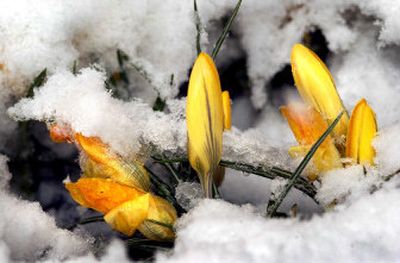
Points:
(119, 189)
(362, 130)
(205, 120)
(317, 88)
(307, 126)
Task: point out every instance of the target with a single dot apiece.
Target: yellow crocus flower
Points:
(362, 130)
(118, 189)
(204, 120)
(126, 209)
(307, 126)
(316, 86)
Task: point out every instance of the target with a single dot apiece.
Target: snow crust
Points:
(159, 38)
(216, 231)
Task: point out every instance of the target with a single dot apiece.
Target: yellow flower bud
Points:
(316, 86)
(204, 120)
(362, 130)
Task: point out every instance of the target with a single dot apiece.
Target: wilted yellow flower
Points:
(126, 209)
(307, 126)
(316, 86)
(362, 130)
(119, 189)
(205, 120)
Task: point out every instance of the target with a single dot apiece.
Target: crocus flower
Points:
(119, 189)
(317, 88)
(204, 120)
(362, 130)
(307, 126)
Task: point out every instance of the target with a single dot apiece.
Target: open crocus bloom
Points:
(120, 190)
(316, 86)
(205, 120)
(307, 126)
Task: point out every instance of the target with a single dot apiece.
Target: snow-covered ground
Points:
(159, 36)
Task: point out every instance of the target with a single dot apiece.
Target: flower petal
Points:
(127, 217)
(362, 130)
(316, 86)
(101, 194)
(159, 211)
(226, 105)
(307, 126)
(113, 166)
(204, 119)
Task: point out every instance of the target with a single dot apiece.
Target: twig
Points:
(268, 172)
(273, 205)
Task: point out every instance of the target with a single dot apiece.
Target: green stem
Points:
(275, 203)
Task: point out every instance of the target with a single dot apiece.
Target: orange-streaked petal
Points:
(60, 133)
(127, 217)
(316, 86)
(306, 123)
(113, 166)
(204, 119)
(362, 130)
(161, 211)
(226, 105)
(101, 194)
(307, 126)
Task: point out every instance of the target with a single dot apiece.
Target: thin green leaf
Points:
(198, 27)
(274, 204)
(224, 33)
(37, 82)
(91, 220)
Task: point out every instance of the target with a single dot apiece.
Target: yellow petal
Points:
(307, 126)
(100, 194)
(316, 86)
(204, 119)
(226, 105)
(127, 217)
(113, 166)
(362, 130)
(324, 159)
(160, 211)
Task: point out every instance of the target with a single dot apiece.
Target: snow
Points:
(159, 38)
(365, 231)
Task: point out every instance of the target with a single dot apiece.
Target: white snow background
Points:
(159, 36)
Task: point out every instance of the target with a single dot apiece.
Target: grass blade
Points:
(273, 205)
(198, 27)
(224, 33)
